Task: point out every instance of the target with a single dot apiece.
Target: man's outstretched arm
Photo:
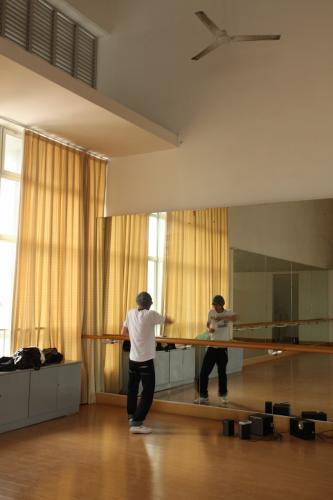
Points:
(124, 331)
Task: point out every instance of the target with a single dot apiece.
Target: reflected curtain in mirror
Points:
(126, 240)
(62, 194)
(197, 267)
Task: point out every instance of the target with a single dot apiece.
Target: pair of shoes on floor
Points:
(140, 429)
(200, 400)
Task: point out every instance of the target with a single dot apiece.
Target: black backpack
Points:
(6, 364)
(27, 357)
(52, 355)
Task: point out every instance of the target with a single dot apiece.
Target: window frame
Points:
(5, 174)
(4, 131)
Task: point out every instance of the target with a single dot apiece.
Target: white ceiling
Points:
(40, 96)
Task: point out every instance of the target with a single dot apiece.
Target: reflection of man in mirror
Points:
(140, 326)
(217, 325)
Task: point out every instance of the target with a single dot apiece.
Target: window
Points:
(11, 151)
(156, 251)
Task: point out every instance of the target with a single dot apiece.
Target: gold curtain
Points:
(127, 252)
(197, 267)
(62, 193)
(94, 197)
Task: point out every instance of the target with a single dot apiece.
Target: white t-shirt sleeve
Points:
(211, 316)
(228, 312)
(156, 318)
(126, 322)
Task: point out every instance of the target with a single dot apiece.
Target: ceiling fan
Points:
(221, 36)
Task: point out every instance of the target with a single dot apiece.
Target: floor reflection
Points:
(305, 380)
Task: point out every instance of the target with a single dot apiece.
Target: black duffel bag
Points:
(27, 357)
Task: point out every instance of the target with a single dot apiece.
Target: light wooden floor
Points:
(305, 380)
(93, 456)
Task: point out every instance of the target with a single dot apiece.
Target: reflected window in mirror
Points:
(156, 259)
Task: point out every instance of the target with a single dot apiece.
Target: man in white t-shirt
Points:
(140, 326)
(217, 323)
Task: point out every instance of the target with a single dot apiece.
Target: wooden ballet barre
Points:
(279, 324)
(324, 348)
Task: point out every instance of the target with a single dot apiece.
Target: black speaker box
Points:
(228, 427)
(268, 407)
(245, 429)
(281, 409)
(314, 415)
(304, 429)
(261, 424)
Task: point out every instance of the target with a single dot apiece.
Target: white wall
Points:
(253, 294)
(300, 232)
(313, 303)
(330, 304)
(255, 118)
(99, 11)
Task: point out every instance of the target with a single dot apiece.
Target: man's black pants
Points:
(140, 371)
(218, 355)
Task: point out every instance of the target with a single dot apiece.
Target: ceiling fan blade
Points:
(208, 23)
(208, 49)
(253, 38)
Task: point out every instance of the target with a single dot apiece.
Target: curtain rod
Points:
(60, 140)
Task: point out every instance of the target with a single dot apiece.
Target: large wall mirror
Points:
(277, 278)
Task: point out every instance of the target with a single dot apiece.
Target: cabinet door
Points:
(14, 395)
(182, 366)
(43, 391)
(176, 366)
(125, 359)
(162, 370)
(235, 363)
(69, 390)
(189, 365)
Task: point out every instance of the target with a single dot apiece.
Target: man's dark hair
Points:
(144, 300)
(218, 300)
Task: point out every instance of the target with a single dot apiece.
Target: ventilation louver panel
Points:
(85, 56)
(43, 30)
(15, 21)
(64, 43)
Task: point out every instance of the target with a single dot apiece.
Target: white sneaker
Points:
(274, 352)
(224, 399)
(200, 400)
(140, 429)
